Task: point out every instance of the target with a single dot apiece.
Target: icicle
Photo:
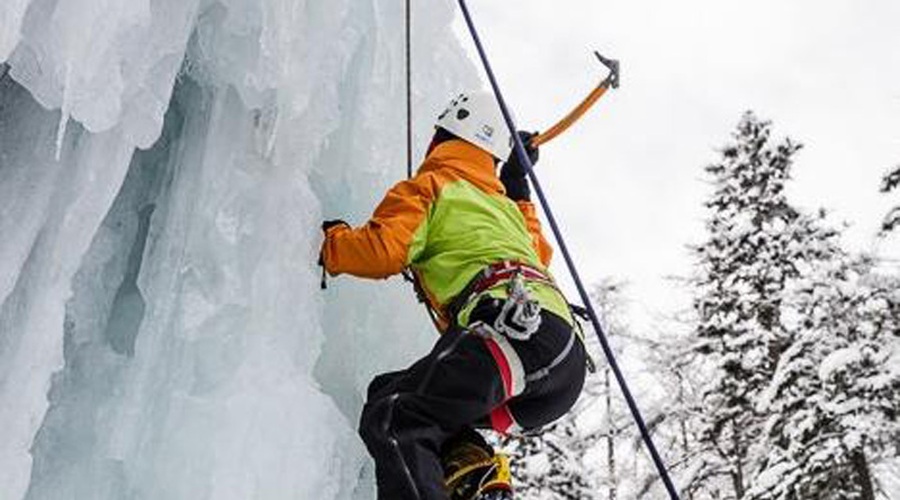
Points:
(273, 134)
(64, 111)
(61, 133)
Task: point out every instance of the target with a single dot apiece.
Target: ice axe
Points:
(611, 80)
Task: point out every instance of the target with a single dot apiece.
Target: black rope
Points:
(408, 275)
(607, 350)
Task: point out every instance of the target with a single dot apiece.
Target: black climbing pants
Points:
(470, 379)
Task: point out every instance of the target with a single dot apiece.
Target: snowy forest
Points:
(784, 381)
(165, 167)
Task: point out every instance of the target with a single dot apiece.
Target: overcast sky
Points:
(627, 181)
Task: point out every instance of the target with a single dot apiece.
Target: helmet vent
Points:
(476, 118)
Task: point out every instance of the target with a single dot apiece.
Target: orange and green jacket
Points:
(447, 223)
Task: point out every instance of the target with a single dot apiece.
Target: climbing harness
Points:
(604, 343)
(611, 80)
(489, 277)
(519, 316)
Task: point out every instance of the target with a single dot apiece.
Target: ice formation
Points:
(164, 168)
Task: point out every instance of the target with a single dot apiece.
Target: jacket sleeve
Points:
(383, 246)
(540, 244)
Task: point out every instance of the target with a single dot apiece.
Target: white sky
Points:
(627, 182)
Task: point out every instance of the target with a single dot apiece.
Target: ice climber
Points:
(508, 357)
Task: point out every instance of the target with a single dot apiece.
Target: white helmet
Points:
(475, 117)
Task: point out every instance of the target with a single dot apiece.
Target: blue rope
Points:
(607, 350)
(409, 169)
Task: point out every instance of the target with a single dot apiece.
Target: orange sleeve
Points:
(540, 244)
(380, 248)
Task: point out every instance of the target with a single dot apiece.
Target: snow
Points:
(164, 167)
(839, 360)
(888, 473)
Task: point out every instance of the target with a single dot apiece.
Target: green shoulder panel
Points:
(467, 230)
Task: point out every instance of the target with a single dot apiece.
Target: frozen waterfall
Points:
(164, 168)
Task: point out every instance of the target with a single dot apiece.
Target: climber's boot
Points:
(499, 485)
(473, 472)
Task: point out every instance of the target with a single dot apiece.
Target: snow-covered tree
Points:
(755, 238)
(681, 412)
(834, 400)
(550, 465)
(654, 362)
(888, 183)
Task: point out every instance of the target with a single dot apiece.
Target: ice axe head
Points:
(613, 66)
(612, 80)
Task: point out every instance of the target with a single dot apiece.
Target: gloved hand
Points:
(326, 225)
(512, 174)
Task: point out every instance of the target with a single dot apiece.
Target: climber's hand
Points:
(512, 174)
(327, 226)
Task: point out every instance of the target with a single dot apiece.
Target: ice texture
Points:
(164, 169)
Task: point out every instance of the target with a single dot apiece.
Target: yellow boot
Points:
(499, 485)
(473, 472)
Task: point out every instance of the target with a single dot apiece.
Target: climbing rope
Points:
(409, 164)
(607, 350)
(407, 273)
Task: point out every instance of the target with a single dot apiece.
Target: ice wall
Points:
(162, 334)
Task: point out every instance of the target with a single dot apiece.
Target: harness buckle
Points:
(520, 316)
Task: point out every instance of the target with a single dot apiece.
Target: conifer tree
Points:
(755, 238)
(550, 465)
(834, 397)
(834, 402)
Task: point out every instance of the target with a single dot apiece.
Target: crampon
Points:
(473, 474)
